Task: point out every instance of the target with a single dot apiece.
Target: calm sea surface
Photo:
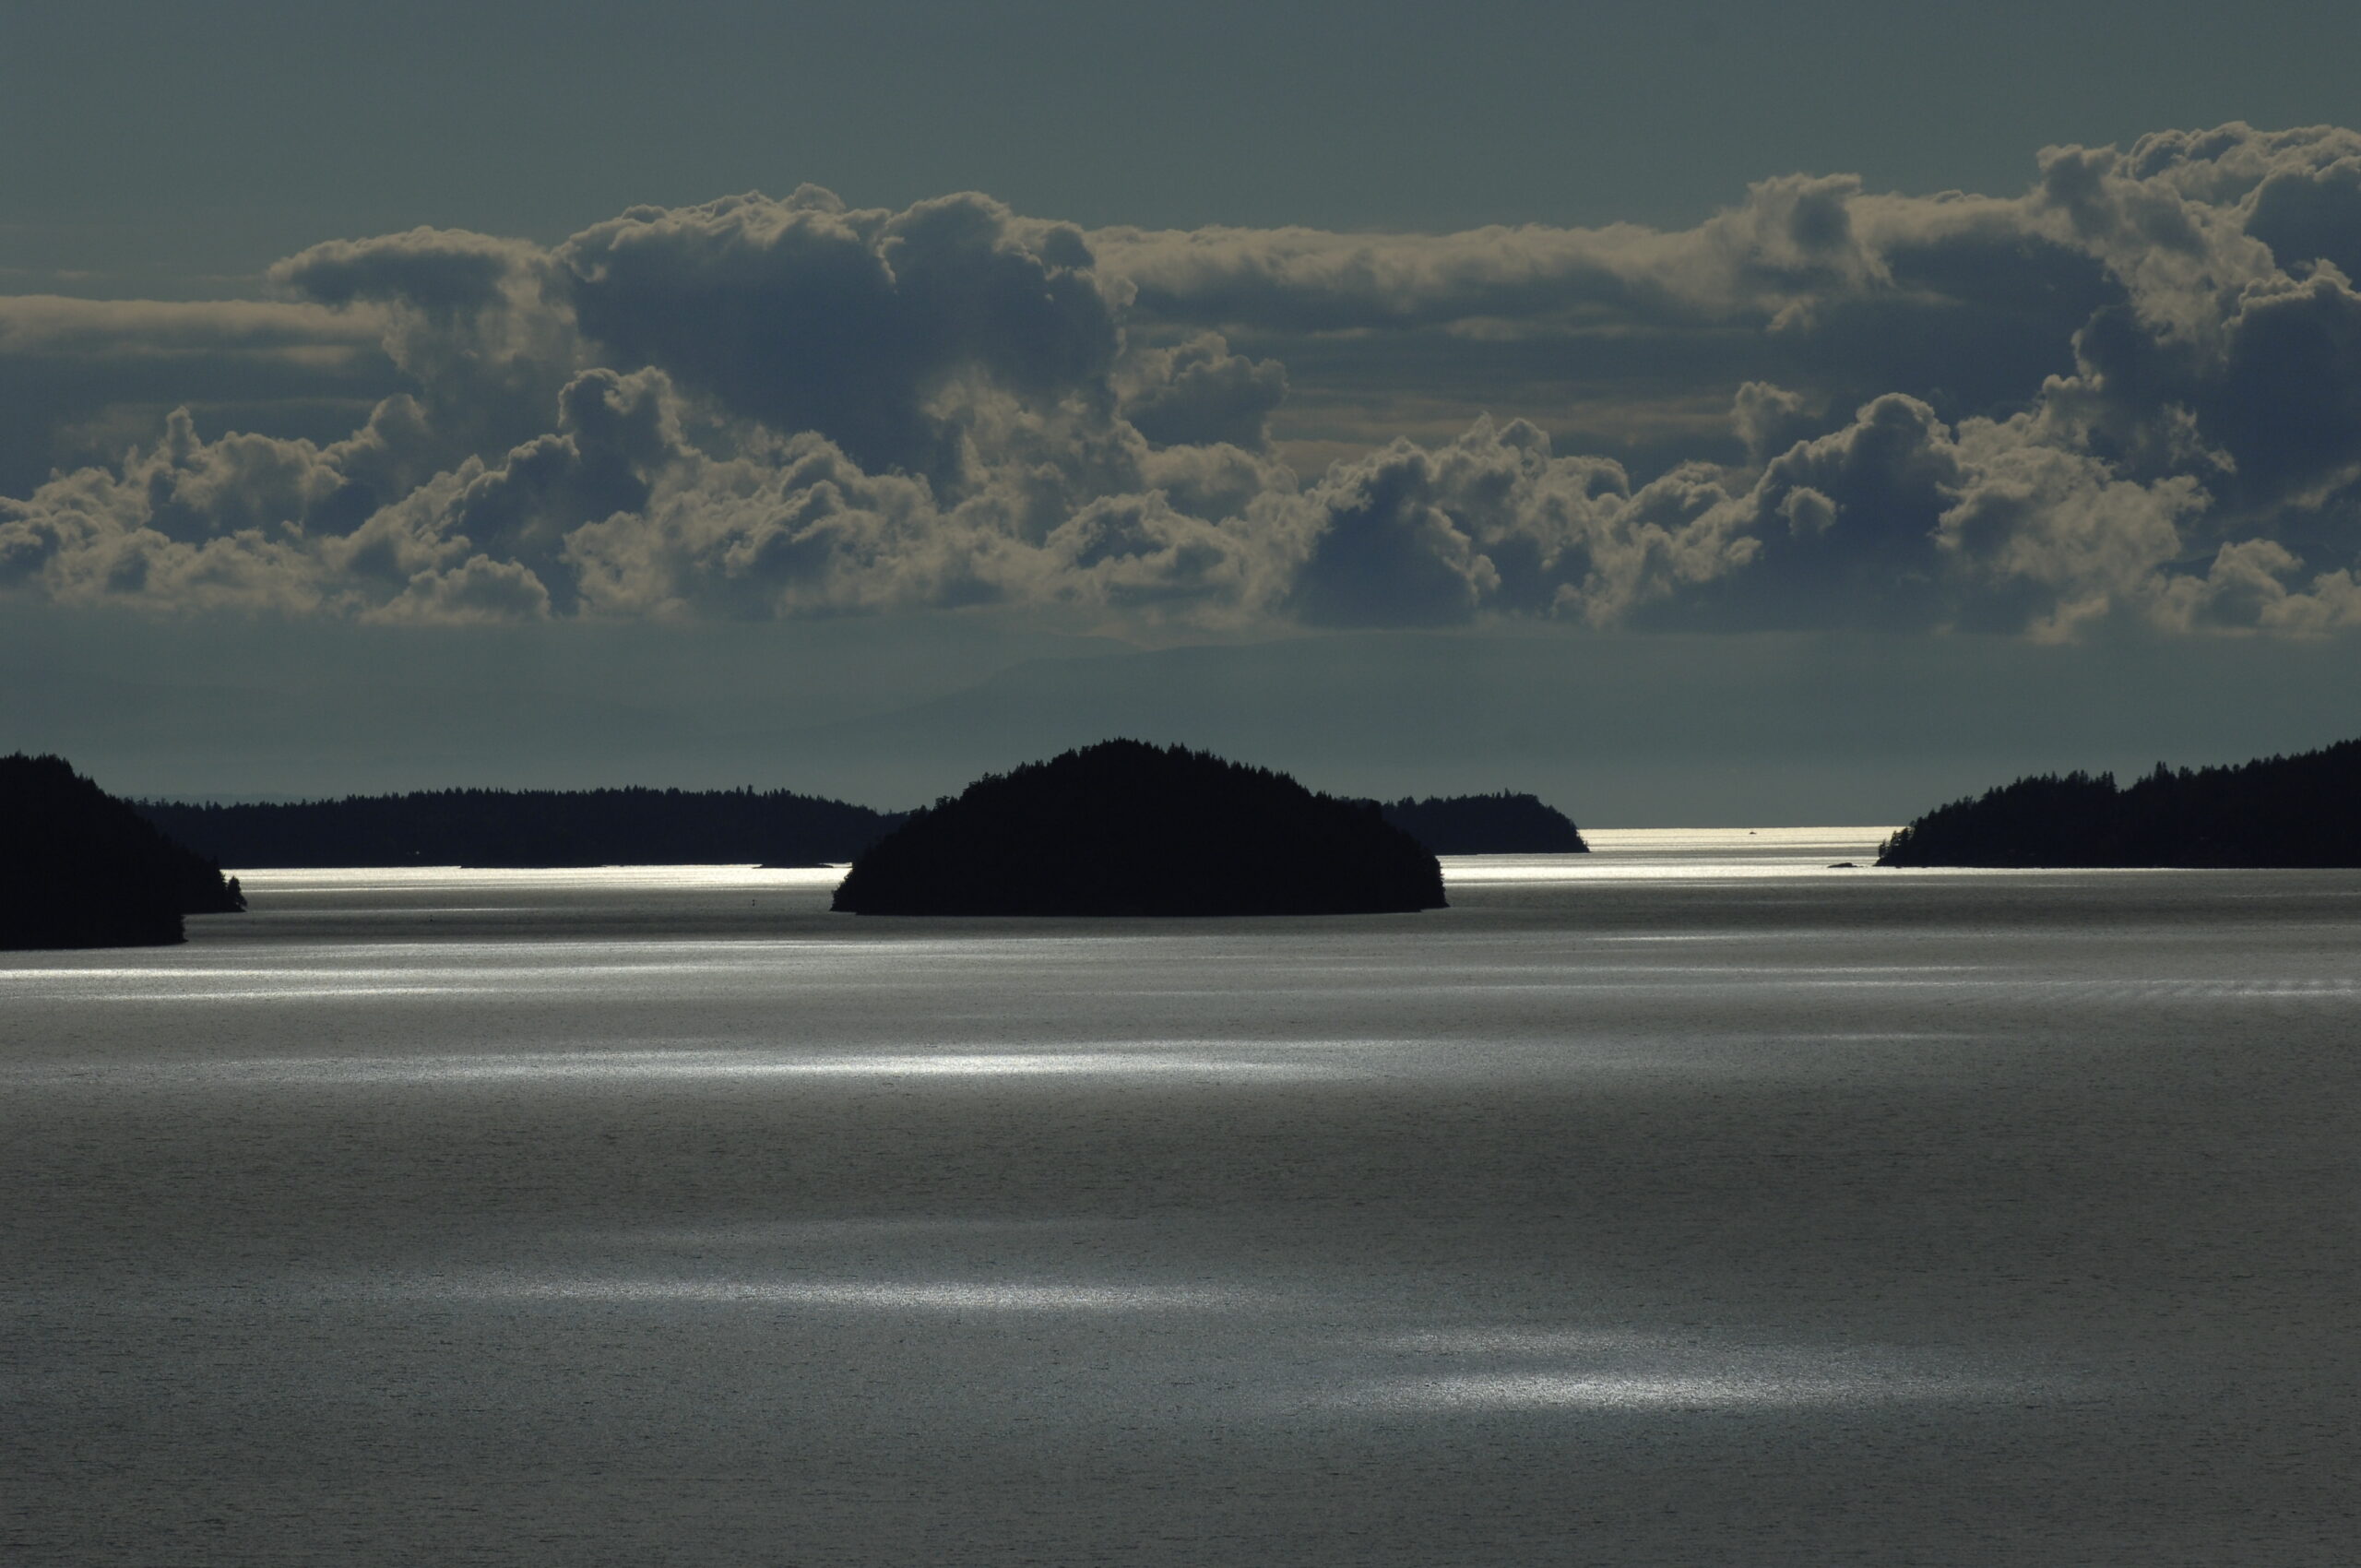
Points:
(1688, 1203)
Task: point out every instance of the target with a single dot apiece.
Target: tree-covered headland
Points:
(2278, 811)
(80, 869)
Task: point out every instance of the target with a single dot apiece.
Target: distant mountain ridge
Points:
(2278, 811)
(80, 868)
(530, 828)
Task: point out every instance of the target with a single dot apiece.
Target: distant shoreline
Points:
(2278, 812)
(557, 830)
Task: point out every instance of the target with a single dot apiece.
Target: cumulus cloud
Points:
(1419, 536)
(2128, 395)
(81, 380)
(807, 315)
(1199, 394)
(479, 326)
(479, 589)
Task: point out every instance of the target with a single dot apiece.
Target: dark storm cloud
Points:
(1199, 394)
(477, 326)
(1412, 535)
(2131, 395)
(2311, 214)
(808, 316)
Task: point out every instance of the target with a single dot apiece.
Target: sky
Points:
(1693, 413)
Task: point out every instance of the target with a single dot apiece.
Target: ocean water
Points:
(1692, 1202)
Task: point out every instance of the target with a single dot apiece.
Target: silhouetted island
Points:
(2280, 811)
(1498, 824)
(1127, 828)
(80, 869)
(530, 828)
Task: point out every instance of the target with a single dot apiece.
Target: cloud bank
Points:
(2128, 397)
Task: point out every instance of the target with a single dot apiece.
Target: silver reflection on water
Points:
(958, 1296)
(559, 1067)
(1649, 1390)
(1889, 1209)
(1613, 1370)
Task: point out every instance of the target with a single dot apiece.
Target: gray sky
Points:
(148, 141)
(389, 388)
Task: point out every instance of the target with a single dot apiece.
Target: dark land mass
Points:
(2280, 811)
(1127, 828)
(80, 869)
(1499, 824)
(530, 828)
(639, 827)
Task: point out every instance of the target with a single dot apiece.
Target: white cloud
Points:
(2130, 393)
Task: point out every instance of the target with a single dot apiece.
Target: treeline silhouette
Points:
(2278, 811)
(1123, 827)
(80, 868)
(1499, 824)
(529, 827)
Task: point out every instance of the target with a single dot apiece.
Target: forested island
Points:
(1123, 827)
(530, 828)
(2279, 811)
(1499, 824)
(80, 869)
